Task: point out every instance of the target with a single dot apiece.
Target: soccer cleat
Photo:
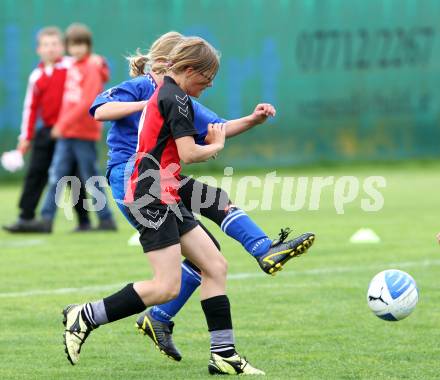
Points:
(234, 365)
(160, 333)
(281, 252)
(75, 333)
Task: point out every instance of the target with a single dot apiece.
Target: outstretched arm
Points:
(125, 99)
(237, 126)
(118, 110)
(261, 113)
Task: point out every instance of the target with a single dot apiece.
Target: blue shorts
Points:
(117, 177)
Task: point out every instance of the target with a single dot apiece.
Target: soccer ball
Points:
(392, 295)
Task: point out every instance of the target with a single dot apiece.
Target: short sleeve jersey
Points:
(122, 137)
(169, 115)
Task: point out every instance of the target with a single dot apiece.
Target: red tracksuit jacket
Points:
(84, 81)
(44, 96)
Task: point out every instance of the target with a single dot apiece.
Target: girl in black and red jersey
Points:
(167, 229)
(122, 105)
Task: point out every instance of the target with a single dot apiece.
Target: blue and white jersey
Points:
(122, 137)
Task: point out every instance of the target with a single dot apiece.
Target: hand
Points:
(216, 134)
(262, 111)
(55, 132)
(438, 237)
(24, 146)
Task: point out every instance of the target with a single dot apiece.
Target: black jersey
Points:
(169, 115)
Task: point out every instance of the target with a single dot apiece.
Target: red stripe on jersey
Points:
(157, 151)
(147, 138)
(154, 120)
(170, 179)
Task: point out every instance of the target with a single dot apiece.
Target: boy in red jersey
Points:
(43, 100)
(76, 131)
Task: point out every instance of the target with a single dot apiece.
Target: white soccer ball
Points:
(392, 295)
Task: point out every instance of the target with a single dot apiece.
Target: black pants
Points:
(37, 175)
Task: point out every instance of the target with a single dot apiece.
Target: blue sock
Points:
(190, 282)
(239, 226)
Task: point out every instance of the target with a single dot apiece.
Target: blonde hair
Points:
(50, 31)
(156, 58)
(194, 52)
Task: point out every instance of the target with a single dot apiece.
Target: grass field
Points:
(309, 322)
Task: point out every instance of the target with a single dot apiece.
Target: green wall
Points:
(351, 79)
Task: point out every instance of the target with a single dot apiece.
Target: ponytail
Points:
(138, 64)
(156, 58)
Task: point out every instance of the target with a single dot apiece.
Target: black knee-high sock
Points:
(120, 305)
(218, 317)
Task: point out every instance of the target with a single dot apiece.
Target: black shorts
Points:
(161, 226)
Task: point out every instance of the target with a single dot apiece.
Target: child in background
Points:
(43, 100)
(76, 131)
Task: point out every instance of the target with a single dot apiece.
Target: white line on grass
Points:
(84, 289)
(21, 243)
(236, 276)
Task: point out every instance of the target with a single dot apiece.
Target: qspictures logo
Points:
(267, 192)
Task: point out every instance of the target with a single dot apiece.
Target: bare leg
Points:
(165, 284)
(199, 249)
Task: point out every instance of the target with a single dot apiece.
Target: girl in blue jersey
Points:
(123, 105)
